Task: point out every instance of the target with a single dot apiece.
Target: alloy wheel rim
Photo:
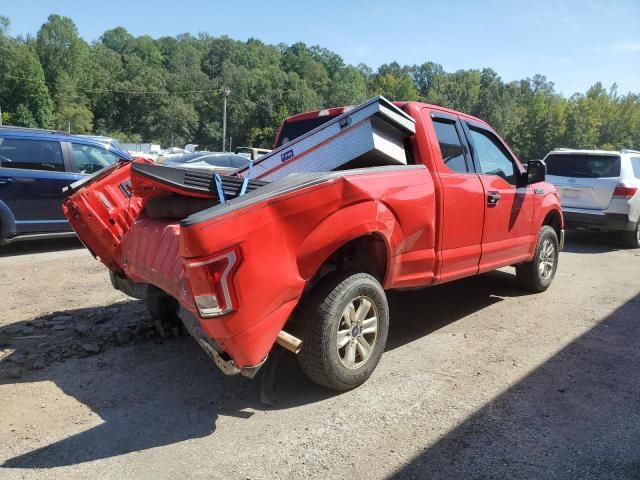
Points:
(547, 259)
(357, 332)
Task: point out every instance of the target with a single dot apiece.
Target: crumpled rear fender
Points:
(398, 208)
(349, 223)
(284, 240)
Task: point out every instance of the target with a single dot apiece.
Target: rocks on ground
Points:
(35, 343)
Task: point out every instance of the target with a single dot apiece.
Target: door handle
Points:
(5, 181)
(493, 198)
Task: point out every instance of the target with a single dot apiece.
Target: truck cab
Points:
(487, 205)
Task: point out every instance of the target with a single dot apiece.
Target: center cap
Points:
(355, 330)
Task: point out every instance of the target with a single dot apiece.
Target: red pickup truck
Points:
(304, 259)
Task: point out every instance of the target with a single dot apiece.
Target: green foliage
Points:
(24, 96)
(4, 25)
(60, 49)
(70, 109)
(23, 117)
(170, 90)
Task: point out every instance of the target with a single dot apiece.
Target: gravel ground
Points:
(480, 380)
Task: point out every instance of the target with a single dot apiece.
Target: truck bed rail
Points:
(189, 181)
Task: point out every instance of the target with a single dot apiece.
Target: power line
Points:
(129, 92)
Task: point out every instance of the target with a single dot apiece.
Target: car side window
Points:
(491, 157)
(450, 145)
(635, 163)
(31, 154)
(88, 159)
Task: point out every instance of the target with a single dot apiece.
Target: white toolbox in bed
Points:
(371, 134)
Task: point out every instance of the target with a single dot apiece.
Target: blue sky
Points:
(573, 43)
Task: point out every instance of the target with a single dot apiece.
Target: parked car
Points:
(172, 152)
(377, 197)
(252, 153)
(35, 165)
(599, 189)
(223, 163)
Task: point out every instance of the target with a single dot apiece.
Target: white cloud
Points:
(361, 50)
(626, 47)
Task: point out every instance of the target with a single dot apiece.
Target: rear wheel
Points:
(632, 239)
(163, 309)
(538, 274)
(344, 325)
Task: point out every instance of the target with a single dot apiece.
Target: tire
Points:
(163, 309)
(632, 239)
(537, 275)
(333, 313)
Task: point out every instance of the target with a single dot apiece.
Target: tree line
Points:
(170, 90)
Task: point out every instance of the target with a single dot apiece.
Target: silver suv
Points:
(599, 189)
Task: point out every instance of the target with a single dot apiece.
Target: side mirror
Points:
(536, 171)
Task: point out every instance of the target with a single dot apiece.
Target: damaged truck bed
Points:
(299, 247)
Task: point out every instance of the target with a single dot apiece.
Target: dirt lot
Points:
(480, 380)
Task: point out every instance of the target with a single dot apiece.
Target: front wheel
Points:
(538, 274)
(344, 324)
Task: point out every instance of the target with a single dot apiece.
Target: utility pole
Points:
(225, 94)
(0, 116)
(69, 129)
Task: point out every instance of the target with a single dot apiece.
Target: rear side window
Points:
(450, 145)
(31, 154)
(88, 159)
(491, 156)
(583, 166)
(635, 163)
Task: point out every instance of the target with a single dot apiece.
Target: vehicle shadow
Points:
(145, 396)
(153, 395)
(575, 416)
(582, 241)
(417, 313)
(28, 247)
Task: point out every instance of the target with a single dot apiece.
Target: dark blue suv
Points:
(35, 165)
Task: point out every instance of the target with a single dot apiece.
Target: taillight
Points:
(624, 191)
(211, 282)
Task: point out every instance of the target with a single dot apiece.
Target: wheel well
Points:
(553, 220)
(7, 222)
(366, 254)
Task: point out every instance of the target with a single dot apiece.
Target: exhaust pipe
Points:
(288, 341)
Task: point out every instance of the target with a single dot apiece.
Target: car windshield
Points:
(116, 146)
(187, 158)
(228, 160)
(90, 159)
(294, 129)
(583, 165)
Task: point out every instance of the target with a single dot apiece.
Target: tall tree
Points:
(24, 96)
(157, 89)
(60, 49)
